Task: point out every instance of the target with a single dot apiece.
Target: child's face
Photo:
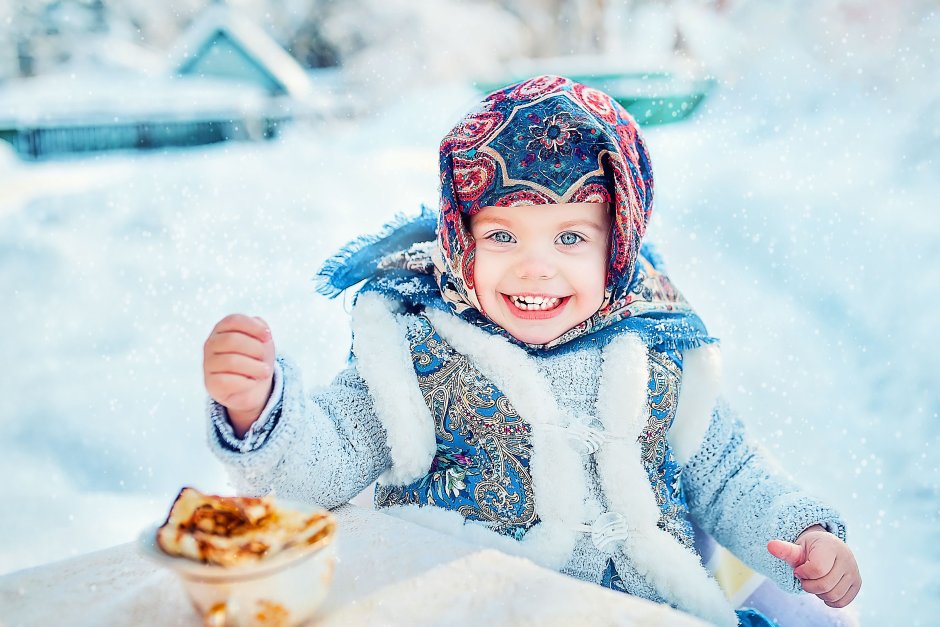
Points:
(557, 253)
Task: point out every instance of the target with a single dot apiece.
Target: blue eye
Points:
(570, 239)
(501, 237)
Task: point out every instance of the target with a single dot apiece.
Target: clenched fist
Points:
(823, 563)
(238, 367)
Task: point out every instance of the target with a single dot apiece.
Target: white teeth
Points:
(537, 303)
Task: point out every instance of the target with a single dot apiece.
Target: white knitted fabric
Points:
(736, 493)
(574, 379)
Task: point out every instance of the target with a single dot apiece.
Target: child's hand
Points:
(238, 367)
(823, 563)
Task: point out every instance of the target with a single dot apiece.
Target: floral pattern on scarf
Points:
(544, 140)
(426, 261)
(481, 466)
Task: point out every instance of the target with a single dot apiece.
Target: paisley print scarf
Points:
(544, 140)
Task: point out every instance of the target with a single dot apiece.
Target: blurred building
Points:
(224, 79)
(220, 43)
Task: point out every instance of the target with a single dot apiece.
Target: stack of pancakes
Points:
(231, 531)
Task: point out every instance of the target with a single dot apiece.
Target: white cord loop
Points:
(589, 438)
(607, 531)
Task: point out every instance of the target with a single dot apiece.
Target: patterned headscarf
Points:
(542, 141)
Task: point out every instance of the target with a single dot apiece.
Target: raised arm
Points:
(323, 448)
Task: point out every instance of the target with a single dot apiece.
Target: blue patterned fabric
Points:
(481, 465)
(554, 143)
(663, 471)
(360, 259)
(611, 578)
(753, 618)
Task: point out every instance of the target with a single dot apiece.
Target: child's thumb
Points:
(792, 554)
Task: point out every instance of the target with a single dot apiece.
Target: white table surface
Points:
(386, 574)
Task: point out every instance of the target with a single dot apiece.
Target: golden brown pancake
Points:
(232, 530)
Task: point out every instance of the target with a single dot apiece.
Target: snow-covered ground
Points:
(801, 221)
(115, 268)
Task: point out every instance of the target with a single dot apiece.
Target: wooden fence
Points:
(49, 139)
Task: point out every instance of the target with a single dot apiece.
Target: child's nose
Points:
(535, 266)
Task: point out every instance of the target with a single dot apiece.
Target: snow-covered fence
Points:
(37, 141)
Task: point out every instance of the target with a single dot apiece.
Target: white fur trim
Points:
(559, 475)
(384, 361)
(701, 379)
(675, 572)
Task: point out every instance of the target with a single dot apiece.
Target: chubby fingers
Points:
(838, 587)
(831, 572)
(849, 596)
(251, 326)
(234, 391)
(238, 365)
(820, 564)
(825, 584)
(239, 346)
(235, 343)
(241, 335)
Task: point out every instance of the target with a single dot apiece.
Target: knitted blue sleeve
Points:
(324, 448)
(737, 494)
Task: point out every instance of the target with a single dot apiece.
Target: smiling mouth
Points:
(535, 303)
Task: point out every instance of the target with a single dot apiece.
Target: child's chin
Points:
(529, 337)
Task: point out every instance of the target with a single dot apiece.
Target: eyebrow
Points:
(484, 220)
(580, 222)
(564, 225)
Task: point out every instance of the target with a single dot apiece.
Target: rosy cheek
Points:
(481, 298)
(481, 290)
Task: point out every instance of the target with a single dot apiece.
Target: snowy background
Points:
(797, 210)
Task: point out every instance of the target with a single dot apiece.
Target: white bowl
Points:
(285, 589)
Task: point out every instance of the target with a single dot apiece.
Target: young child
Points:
(524, 373)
